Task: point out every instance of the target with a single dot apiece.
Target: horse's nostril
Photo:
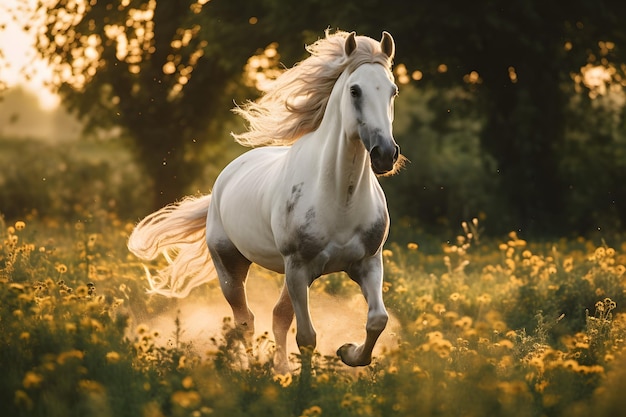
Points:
(375, 153)
(384, 158)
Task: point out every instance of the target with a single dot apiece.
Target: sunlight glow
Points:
(262, 68)
(19, 65)
(402, 74)
(472, 78)
(600, 80)
(512, 75)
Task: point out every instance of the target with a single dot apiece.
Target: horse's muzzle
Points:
(384, 158)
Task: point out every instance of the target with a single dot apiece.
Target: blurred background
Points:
(510, 112)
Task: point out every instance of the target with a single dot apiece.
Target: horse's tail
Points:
(178, 231)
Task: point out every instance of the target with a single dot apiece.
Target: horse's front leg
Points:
(369, 275)
(298, 279)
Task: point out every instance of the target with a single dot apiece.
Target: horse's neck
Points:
(342, 168)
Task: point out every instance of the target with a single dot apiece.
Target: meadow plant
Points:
(484, 328)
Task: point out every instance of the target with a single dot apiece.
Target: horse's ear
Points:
(350, 43)
(387, 45)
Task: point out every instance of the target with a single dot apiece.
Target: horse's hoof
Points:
(350, 356)
(280, 364)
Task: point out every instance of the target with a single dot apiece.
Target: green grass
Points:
(499, 328)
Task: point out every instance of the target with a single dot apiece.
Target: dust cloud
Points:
(337, 319)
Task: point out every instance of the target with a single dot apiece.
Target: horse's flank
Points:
(295, 102)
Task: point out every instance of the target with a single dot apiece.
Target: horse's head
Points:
(367, 107)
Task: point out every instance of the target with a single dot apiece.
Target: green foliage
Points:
(505, 132)
(593, 159)
(517, 61)
(470, 341)
(72, 181)
(448, 178)
(166, 73)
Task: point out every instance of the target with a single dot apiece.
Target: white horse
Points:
(309, 205)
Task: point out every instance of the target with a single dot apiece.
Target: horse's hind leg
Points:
(283, 317)
(232, 270)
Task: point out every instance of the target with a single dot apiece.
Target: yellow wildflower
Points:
(64, 356)
(568, 264)
(484, 299)
(464, 322)
(187, 399)
(439, 308)
(182, 362)
(455, 296)
(315, 410)
(187, 382)
(283, 379)
(112, 357)
(32, 380)
(23, 400)
(91, 386)
(510, 252)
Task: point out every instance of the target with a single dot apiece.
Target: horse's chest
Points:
(334, 245)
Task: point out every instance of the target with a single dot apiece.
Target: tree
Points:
(165, 72)
(518, 57)
(522, 55)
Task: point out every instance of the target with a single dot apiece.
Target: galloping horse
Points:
(307, 205)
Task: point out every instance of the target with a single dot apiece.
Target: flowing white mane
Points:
(295, 102)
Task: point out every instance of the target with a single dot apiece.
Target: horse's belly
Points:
(269, 261)
(259, 250)
(248, 230)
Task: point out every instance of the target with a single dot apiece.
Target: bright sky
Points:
(18, 53)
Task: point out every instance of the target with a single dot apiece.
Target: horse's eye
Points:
(355, 91)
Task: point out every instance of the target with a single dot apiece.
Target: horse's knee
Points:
(280, 324)
(377, 321)
(282, 313)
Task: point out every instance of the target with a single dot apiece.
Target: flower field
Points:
(481, 328)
